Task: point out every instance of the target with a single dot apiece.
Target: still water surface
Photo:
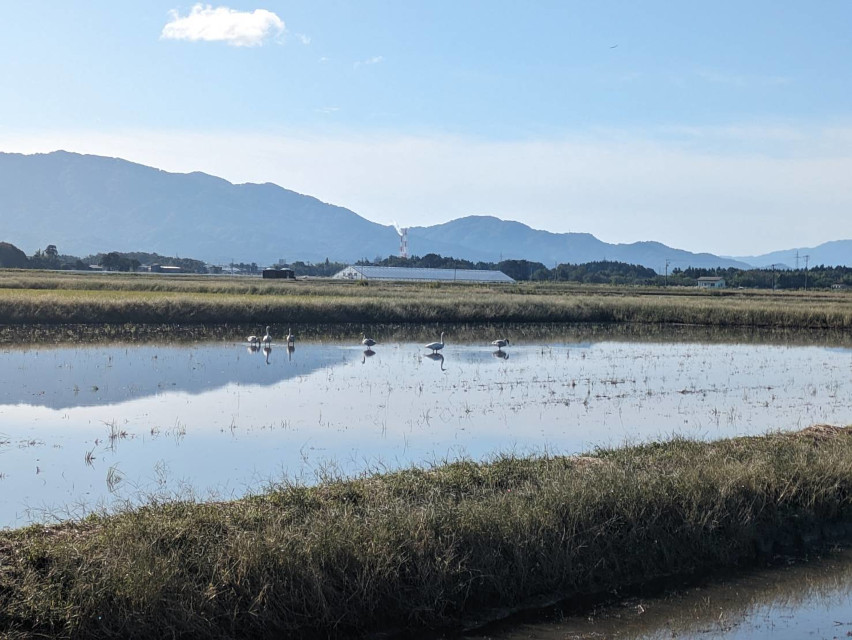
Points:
(87, 426)
(800, 600)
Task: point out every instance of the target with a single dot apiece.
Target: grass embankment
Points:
(51, 299)
(425, 548)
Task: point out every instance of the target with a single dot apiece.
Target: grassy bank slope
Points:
(424, 548)
(47, 298)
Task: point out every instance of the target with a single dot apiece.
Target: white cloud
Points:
(221, 24)
(368, 61)
(304, 39)
(622, 186)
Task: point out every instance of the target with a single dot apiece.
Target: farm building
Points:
(406, 274)
(279, 273)
(711, 283)
(162, 268)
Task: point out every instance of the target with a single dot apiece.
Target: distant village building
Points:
(279, 273)
(164, 268)
(709, 282)
(840, 286)
(416, 274)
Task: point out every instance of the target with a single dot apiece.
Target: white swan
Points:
(436, 346)
(267, 339)
(291, 339)
(367, 342)
(500, 343)
(253, 340)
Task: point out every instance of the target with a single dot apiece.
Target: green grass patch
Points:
(425, 548)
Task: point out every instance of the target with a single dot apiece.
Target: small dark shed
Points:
(279, 273)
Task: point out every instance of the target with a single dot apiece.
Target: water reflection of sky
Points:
(803, 600)
(218, 418)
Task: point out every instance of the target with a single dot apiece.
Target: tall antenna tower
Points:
(403, 240)
(807, 257)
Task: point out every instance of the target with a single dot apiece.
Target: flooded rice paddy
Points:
(82, 427)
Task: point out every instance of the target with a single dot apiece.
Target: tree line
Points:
(600, 272)
(816, 277)
(620, 273)
(49, 258)
(597, 272)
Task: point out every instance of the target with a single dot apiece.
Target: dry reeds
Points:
(29, 298)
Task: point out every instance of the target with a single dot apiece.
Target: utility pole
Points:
(667, 271)
(797, 259)
(773, 276)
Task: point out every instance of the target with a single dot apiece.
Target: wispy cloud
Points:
(304, 39)
(221, 24)
(368, 61)
(739, 80)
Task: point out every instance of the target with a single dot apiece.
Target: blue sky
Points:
(722, 127)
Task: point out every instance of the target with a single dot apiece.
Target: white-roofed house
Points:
(417, 274)
(711, 282)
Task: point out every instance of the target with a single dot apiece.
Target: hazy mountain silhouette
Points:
(830, 254)
(496, 239)
(87, 204)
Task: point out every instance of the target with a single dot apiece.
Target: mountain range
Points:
(87, 204)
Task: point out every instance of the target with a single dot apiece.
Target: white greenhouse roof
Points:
(421, 274)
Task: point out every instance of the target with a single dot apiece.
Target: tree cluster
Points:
(322, 269)
(12, 258)
(620, 273)
(601, 272)
(50, 258)
(817, 277)
(132, 260)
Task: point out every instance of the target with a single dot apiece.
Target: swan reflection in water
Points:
(500, 354)
(267, 349)
(368, 353)
(253, 347)
(436, 357)
(290, 349)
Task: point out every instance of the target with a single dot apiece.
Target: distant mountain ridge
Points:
(834, 253)
(551, 248)
(88, 204)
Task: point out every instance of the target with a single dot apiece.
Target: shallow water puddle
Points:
(86, 426)
(801, 600)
